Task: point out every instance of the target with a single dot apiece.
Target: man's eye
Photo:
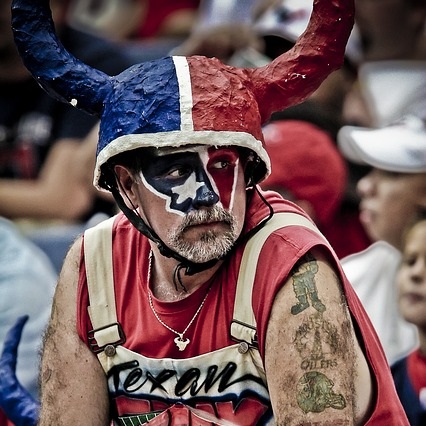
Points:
(178, 172)
(222, 164)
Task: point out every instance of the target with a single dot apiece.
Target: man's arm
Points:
(316, 371)
(73, 384)
(63, 190)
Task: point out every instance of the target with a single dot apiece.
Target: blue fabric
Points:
(27, 283)
(415, 412)
(15, 401)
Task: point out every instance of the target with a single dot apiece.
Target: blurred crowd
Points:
(353, 155)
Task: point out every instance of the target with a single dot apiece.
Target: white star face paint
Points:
(194, 177)
(188, 190)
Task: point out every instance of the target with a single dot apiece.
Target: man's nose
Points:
(205, 197)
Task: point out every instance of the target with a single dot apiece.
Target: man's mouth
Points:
(206, 225)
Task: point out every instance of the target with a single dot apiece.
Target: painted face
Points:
(191, 178)
(194, 199)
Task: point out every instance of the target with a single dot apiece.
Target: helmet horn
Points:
(296, 74)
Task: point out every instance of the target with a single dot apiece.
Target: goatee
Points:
(212, 244)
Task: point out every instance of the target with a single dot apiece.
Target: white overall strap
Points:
(243, 326)
(100, 285)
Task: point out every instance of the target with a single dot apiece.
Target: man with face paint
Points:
(185, 300)
(202, 192)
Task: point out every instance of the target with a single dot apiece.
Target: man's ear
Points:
(126, 184)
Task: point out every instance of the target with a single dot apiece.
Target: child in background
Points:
(410, 372)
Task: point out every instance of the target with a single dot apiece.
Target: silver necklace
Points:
(181, 343)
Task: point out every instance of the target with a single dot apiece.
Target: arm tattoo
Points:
(315, 393)
(317, 342)
(304, 285)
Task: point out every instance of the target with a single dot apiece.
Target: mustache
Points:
(199, 217)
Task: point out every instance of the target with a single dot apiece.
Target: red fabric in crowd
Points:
(307, 164)
(158, 11)
(416, 366)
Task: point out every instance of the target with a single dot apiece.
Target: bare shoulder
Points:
(66, 289)
(72, 260)
(314, 365)
(73, 384)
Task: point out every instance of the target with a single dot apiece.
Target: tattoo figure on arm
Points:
(304, 285)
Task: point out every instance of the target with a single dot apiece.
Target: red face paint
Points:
(222, 166)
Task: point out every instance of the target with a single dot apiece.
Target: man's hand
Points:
(19, 406)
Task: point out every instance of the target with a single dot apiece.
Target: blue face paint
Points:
(189, 180)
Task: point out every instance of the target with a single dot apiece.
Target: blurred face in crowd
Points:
(193, 198)
(389, 201)
(411, 278)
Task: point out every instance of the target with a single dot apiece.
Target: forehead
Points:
(417, 233)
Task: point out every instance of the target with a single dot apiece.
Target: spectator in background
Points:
(46, 145)
(27, 283)
(392, 195)
(391, 90)
(147, 29)
(134, 19)
(410, 372)
(392, 30)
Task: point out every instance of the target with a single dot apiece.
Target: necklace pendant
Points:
(181, 343)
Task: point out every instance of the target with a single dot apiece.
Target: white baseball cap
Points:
(397, 148)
